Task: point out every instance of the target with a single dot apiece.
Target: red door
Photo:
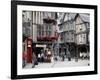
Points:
(29, 50)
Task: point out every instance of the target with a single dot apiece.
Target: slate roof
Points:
(72, 15)
(85, 17)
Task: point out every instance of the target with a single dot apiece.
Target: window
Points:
(84, 36)
(49, 33)
(42, 33)
(72, 38)
(60, 27)
(81, 29)
(87, 25)
(39, 33)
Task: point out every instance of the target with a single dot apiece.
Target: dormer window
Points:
(80, 29)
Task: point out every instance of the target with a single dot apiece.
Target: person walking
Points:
(39, 57)
(42, 56)
(63, 54)
(69, 56)
(34, 60)
(49, 55)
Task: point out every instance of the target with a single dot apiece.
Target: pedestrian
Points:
(63, 54)
(69, 56)
(39, 56)
(34, 60)
(24, 59)
(81, 55)
(42, 57)
(49, 55)
(45, 56)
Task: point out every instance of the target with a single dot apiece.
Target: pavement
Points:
(60, 63)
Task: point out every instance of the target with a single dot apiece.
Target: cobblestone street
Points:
(65, 63)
